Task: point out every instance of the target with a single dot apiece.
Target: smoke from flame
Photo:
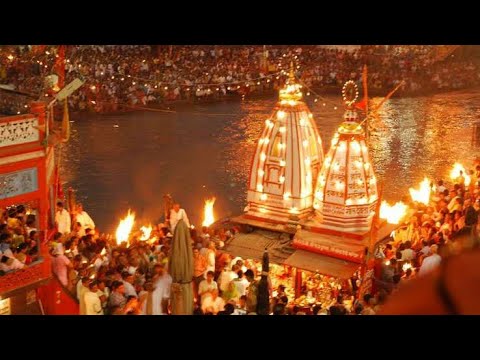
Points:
(208, 212)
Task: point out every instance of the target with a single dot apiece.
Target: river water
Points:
(131, 160)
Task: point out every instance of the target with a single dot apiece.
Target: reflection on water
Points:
(194, 156)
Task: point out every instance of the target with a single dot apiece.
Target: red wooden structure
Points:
(27, 176)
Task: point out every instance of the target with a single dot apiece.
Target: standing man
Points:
(199, 268)
(176, 214)
(162, 283)
(93, 305)
(62, 219)
(84, 219)
(252, 291)
(431, 262)
(471, 219)
(60, 265)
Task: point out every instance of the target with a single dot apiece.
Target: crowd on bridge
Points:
(132, 77)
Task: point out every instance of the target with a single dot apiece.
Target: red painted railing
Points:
(56, 300)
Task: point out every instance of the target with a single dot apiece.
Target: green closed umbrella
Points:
(181, 270)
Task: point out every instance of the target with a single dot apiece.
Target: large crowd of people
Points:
(133, 277)
(128, 77)
(19, 239)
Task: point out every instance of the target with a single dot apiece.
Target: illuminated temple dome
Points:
(286, 162)
(346, 189)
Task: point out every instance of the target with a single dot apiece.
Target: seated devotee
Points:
(10, 263)
(213, 303)
(430, 262)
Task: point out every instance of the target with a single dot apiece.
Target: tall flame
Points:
(393, 214)
(423, 194)
(125, 227)
(146, 230)
(455, 173)
(208, 212)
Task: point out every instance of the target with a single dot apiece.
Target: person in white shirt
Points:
(426, 248)
(213, 303)
(103, 293)
(440, 188)
(175, 215)
(206, 287)
(128, 280)
(161, 293)
(62, 219)
(84, 288)
(210, 255)
(84, 219)
(225, 277)
(453, 201)
(10, 263)
(408, 254)
(431, 262)
(241, 283)
(93, 305)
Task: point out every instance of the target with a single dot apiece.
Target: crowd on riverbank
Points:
(129, 77)
(133, 277)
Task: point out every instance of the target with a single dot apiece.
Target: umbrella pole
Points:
(178, 302)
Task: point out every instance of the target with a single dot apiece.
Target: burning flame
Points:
(104, 252)
(125, 227)
(208, 212)
(406, 266)
(393, 214)
(455, 173)
(423, 194)
(146, 230)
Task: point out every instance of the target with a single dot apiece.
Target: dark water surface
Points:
(131, 160)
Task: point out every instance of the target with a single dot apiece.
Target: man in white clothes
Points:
(93, 305)
(431, 262)
(211, 254)
(62, 219)
(176, 214)
(84, 219)
(206, 287)
(161, 292)
(213, 303)
(10, 263)
(225, 277)
(128, 280)
(84, 288)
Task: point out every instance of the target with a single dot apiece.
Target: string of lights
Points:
(92, 81)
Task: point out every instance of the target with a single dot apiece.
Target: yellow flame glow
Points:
(393, 214)
(455, 173)
(125, 227)
(209, 219)
(146, 231)
(421, 195)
